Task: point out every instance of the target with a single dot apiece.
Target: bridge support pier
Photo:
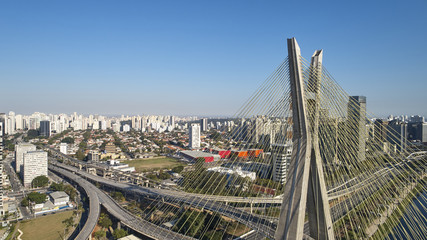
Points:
(305, 176)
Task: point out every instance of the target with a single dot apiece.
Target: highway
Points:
(214, 203)
(94, 203)
(264, 226)
(345, 188)
(137, 224)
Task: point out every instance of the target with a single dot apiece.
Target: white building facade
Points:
(281, 154)
(35, 164)
(194, 136)
(19, 154)
(63, 148)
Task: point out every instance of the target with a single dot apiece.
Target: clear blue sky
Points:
(203, 57)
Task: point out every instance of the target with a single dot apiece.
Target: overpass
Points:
(98, 197)
(94, 203)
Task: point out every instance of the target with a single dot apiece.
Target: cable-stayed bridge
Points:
(331, 173)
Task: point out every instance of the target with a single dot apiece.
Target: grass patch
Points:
(45, 228)
(150, 164)
(237, 229)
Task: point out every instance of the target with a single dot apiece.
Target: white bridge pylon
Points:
(305, 187)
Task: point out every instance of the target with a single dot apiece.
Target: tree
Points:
(213, 235)
(104, 221)
(68, 140)
(68, 222)
(118, 196)
(37, 197)
(57, 187)
(178, 169)
(40, 181)
(119, 233)
(72, 193)
(32, 133)
(191, 222)
(80, 155)
(10, 147)
(25, 202)
(215, 136)
(163, 175)
(100, 234)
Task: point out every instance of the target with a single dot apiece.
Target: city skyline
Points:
(201, 59)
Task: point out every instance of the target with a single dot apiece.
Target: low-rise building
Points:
(93, 155)
(110, 148)
(63, 148)
(236, 170)
(59, 198)
(58, 201)
(193, 155)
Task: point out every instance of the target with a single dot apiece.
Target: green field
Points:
(44, 228)
(150, 164)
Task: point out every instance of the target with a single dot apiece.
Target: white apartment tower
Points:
(126, 128)
(19, 154)
(35, 164)
(172, 121)
(194, 136)
(204, 124)
(19, 122)
(1, 167)
(116, 127)
(281, 157)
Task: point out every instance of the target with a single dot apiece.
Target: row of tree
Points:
(105, 222)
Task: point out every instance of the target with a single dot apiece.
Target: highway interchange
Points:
(98, 197)
(261, 225)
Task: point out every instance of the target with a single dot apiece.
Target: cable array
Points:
(374, 179)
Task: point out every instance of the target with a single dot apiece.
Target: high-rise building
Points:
(45, 128)
(3, 121)
(397, 134)
(380, 135)
(20, 149)
(35, 164)
(116, 127)
(134, 122)
(19, 122)
(32, 124)
(416, 119)
(63, 148)
(204, 124)
(10, 123)
(95, 125)
(417, 131)
(126, 128)
(172, 122)
(194, 136)
(281, 158)
(1, 166)
(103, 125)
(380, 130)
(357, 125)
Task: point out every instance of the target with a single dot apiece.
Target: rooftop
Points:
(58, 194)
